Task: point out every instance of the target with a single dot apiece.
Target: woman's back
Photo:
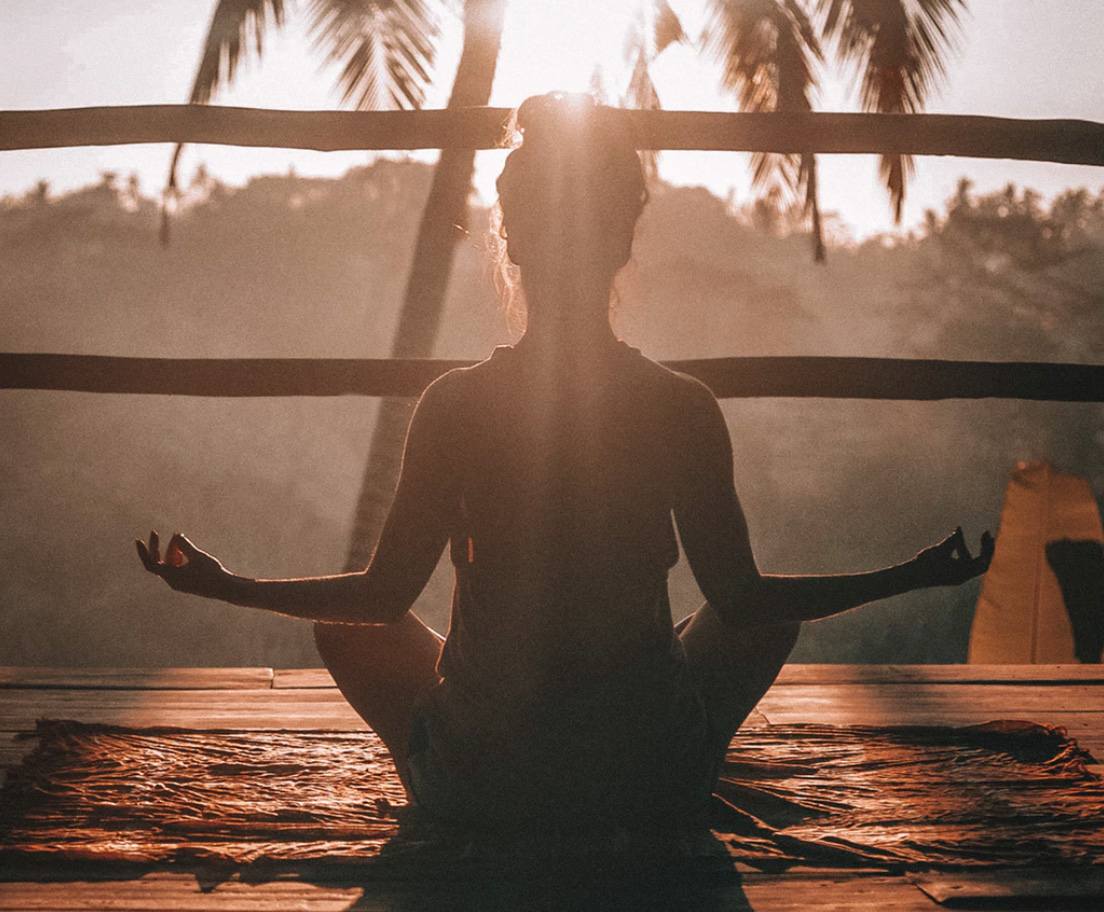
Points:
(561, 653)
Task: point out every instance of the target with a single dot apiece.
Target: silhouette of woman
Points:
(553, 470)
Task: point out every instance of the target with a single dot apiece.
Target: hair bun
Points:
(575, 169)
(547, 119)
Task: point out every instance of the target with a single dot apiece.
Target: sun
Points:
(550, 45)
(557, 45)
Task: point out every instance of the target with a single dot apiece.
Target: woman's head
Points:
(571, 193)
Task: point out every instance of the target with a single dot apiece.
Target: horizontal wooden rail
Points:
(729, 378)
(1067, 141)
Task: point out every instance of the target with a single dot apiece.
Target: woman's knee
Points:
(706, 631)
(406, 650)
(354, 645)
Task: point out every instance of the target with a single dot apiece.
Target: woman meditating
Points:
(557, 471)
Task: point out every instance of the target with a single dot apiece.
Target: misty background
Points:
(315, 267)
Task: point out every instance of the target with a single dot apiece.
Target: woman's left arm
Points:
(808, 598)
(714, 535)
(410, 545)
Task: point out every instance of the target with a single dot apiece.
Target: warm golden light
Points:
(558, 46)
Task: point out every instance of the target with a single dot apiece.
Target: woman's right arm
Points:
(346, 598)
(409, 547)
(714, 535)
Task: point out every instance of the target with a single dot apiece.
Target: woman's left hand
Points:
(950, 562)
(185, 567)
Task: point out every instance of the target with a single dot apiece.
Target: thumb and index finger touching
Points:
(954, 555)
(178, 553)
(958, 549)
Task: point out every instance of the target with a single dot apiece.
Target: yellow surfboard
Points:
(1021, 617)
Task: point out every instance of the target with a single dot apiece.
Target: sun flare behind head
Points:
(560, 45)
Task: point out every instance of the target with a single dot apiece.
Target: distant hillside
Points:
(288, 266)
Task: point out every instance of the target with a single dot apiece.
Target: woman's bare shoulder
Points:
(681, 390)
(461, 382)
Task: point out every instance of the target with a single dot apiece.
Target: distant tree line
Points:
(296, 266)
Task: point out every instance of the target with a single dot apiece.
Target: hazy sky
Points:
(1016, 58)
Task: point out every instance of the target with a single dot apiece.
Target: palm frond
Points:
(387, 48)
(641, 94)
(900, 47)
(641, 91)
(668, 27)
(654, 28)
(597, 86)
(769, 51)
(232, 24)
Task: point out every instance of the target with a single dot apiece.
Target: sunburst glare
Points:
(561, 45)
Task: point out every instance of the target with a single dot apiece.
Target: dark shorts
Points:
(465, 770)
(656, 768)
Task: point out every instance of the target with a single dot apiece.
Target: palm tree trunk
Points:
(443, 224)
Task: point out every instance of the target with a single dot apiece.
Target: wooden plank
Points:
(1068, 141)
(180, 893)
(222, 377)
(136, 678)
(1076, 706)
(14, 746)
(305, 678)
(779, 893)
(1031, 675)
(1049, 888)
(803, 674)
(311, 678)
(12, 751)
(794, 673)
(198, 709)
(1074, 723)
(842, 893)
(749, 377)
(1001, 889)
(813, 702)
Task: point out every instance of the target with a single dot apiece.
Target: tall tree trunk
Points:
(444, 223)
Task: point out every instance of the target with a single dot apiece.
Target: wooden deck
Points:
(266, 699)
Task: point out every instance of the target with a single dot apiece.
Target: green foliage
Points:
(1013, 225)
(290, 266)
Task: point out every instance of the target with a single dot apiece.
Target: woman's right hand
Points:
(185, 567)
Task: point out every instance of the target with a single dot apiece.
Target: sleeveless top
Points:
(564, 693)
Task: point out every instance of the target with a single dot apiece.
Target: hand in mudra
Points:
(185, 567)
(950, 562)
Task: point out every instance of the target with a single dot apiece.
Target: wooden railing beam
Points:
(729, 378)
(1065, 141)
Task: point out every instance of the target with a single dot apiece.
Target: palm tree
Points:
(443, 224)
(900, 48)
(770, 52)
(387, 50)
